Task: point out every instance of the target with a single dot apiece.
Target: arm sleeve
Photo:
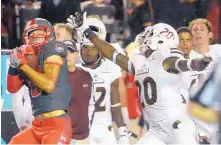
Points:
(183, 65)
(13, 81)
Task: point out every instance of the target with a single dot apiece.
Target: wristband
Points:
(88, 33)
(12, 71)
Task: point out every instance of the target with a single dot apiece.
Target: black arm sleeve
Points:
(182, 65)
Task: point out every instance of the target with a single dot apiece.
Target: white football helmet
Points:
(98, 27)
(157, 37)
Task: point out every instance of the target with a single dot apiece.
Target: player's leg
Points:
(94, 134)
(58, 130)
(108, 136)
(25, 137)
(184, 131)
(149, 138)
(102, 133)
(207, 131)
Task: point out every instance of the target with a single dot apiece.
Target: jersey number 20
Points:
(150, 91)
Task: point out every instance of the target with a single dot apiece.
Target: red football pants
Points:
(55, 130)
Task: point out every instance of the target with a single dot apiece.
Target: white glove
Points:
(78, 22)
(15, 62)
(123, 140)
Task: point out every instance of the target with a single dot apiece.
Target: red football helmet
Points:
(38, 24)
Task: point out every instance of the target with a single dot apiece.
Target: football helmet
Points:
(38, 24)
(98, 27)
(157, 37)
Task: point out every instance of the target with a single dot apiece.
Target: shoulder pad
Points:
(54, 48)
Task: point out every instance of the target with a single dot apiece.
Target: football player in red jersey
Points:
(49, 91)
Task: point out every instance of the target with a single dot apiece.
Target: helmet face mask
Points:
(89, 55)
(37, 32)
(157, 37)
(142, 40)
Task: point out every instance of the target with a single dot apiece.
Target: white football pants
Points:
(101, 133)
(175, 129)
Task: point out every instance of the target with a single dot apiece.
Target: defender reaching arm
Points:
(112, 54)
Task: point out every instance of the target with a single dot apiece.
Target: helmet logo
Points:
(168, 34)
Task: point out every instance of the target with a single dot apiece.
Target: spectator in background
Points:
(63, 32)
(176, 13)
(140, 16)
(9, 19)
(209, 9)
(214, 16)
(119, 14)
(186, 41)
(162, 11)
(4, 33)
(57, 11)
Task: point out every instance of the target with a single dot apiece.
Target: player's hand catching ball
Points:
(17, 58)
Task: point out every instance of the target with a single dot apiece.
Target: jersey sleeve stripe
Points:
(176, 52)
(174, 49)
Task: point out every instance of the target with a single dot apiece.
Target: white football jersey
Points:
(103, 76)
(158, 89)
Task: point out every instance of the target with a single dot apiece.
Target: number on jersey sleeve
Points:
(150, 91)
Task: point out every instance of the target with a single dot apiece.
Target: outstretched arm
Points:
(78, 22)
(110, 52)
(177, 64)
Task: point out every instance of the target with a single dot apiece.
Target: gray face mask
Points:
(56, 2)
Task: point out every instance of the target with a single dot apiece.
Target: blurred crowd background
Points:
(124, 19)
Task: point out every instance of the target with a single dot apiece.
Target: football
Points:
(32, 60)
